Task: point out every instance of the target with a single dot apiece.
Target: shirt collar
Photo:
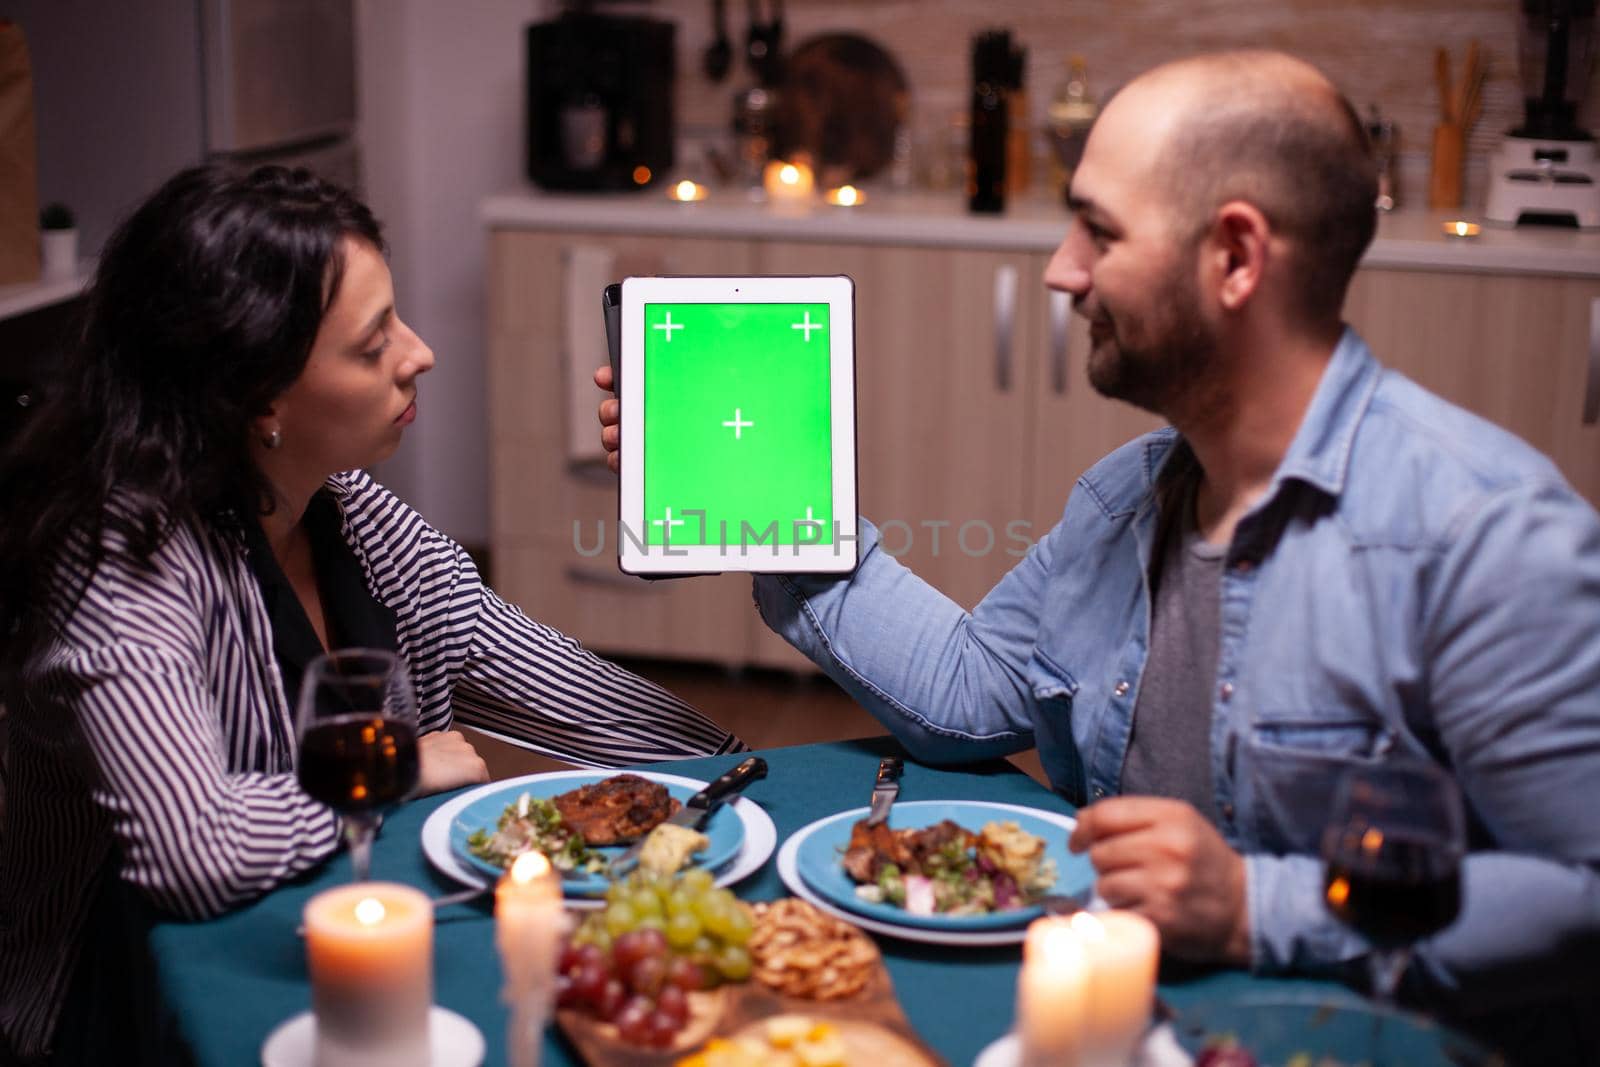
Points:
(1320, 452)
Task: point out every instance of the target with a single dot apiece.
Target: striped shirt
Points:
(155, 732)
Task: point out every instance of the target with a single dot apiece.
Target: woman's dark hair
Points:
(203, 309)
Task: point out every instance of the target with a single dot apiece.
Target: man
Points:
(1319, 566)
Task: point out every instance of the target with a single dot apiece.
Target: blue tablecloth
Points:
(231, 980)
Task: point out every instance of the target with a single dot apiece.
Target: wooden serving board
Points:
(874, 1012)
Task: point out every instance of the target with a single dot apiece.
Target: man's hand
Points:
(1162, 859)
(610, 417)
(447, 761)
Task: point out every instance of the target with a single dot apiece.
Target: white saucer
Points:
(1159, 1048)
(452, 1041)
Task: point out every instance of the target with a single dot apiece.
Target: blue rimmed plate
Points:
(820, 846)
(481, 810)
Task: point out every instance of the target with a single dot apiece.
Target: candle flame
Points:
(1338, 892)
(686, 190)
(1087, 926)
(1372, 840)
(1461, 229)
(370, 911)
(789, 175)
(1059, 943)
(528, 866)
(848, 196)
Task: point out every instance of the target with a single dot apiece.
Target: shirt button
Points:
(1099, 791)
(1227, 691)
(1227, 812)
(1243, 566)
(1121, 689)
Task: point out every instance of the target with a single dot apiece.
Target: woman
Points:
(187, 526)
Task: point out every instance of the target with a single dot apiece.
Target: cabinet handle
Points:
(1591, 385)
(1060, 320)
(1005, 323)
(611, 580)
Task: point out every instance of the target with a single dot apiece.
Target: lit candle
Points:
(1052, 991)
(788, 182)
(846, 196)
(369, 947)
(686, 191)
(529, 922)
(1123, 950)
(1462, 228)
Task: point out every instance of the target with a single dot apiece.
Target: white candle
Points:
(788, 182)
(1052, 991)
(845, 196)
(1123, 950)
(369, 947)
(687, 191)
(529, 921)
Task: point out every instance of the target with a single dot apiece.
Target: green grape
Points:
(682, 930)
(599, 936)
(616, 892)
(696, 880)
(680, 902)
(740, 925)
(620, 918)
(712, 911)
(732, 962)
(645, 902)
(702, 949)
(651, 922)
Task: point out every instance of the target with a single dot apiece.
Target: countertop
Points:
(22, 297)
(1406, 239)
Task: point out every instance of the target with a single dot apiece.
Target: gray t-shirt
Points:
(1169, 752)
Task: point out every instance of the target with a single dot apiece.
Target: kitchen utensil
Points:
(886, 788)
(719, 53)
(843, 100)
(699, 807)
(763, 40)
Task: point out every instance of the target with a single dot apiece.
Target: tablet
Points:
(738, 425)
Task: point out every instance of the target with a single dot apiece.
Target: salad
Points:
(531, 822)
(946, 869)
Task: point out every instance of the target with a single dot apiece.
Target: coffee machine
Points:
(1547, 171)
(600, 108)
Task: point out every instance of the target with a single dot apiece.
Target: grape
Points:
(646, 902)
(620, 918)
(647, 975)
(600, 937)
(673, 1003)
(652, 922)
(740, 925)
(612, 996)
(1227, 1054)
(565, 997)
(569, 956)
(686, 974)
(682, 930)
(654, 941)
(711, 910)
(702, 948)
(627, 948)
(633, 1020)
(680, 902)
(732, 962)
(661, 1029)
(588, 979)
(696, 880)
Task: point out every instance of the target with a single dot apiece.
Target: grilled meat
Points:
(616, 810)
(873, 846)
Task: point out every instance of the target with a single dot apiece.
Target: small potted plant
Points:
(58, 242)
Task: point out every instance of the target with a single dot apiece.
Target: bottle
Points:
(987, 134)
(1071, 113)
(1019, 154)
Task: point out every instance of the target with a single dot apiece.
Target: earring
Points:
(273, 439)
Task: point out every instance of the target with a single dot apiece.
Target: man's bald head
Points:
(1272, 131)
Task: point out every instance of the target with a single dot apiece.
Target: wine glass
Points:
(357, 727)
(1393, 850)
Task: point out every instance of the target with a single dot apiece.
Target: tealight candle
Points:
(1123, 950)
(788, 182)
(846, 196)
(686, 191)
(1052, 991)
(1462, 228)
(369, 947)
(529, 921)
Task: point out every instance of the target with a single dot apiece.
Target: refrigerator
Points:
(127, 93)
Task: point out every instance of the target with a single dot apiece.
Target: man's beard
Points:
(1160, 359)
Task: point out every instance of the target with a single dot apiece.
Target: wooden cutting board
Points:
(871, 1021)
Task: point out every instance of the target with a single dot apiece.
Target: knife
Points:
(699, 808)
(885, 789)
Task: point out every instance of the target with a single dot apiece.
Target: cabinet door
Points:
(553, 521)
(1074, 426)
(942, 342)
(1516, 349)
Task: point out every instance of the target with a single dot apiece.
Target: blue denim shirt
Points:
(1415, 580)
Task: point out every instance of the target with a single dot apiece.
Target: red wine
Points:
(358, 763)
(1406, 893)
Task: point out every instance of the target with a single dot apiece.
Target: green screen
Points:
(737, 424)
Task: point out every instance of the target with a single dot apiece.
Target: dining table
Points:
(228, 982)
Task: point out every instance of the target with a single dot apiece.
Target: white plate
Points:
(452, 1041)
(760, 835)
(788, 870)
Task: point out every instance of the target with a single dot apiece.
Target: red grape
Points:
(1225, 1054)
(589, 979)
(661, 1028)
(569, 958)
(565, 997)
(674, 1003)
(635, 945)
(633, 1021)
(610, 999)
(686, 974)
(646, 975)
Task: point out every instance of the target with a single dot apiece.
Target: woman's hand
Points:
(610, 419)
(447, 761)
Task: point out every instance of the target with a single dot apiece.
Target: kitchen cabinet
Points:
(974, 412)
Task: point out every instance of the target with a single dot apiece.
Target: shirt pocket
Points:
(1292, 768)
